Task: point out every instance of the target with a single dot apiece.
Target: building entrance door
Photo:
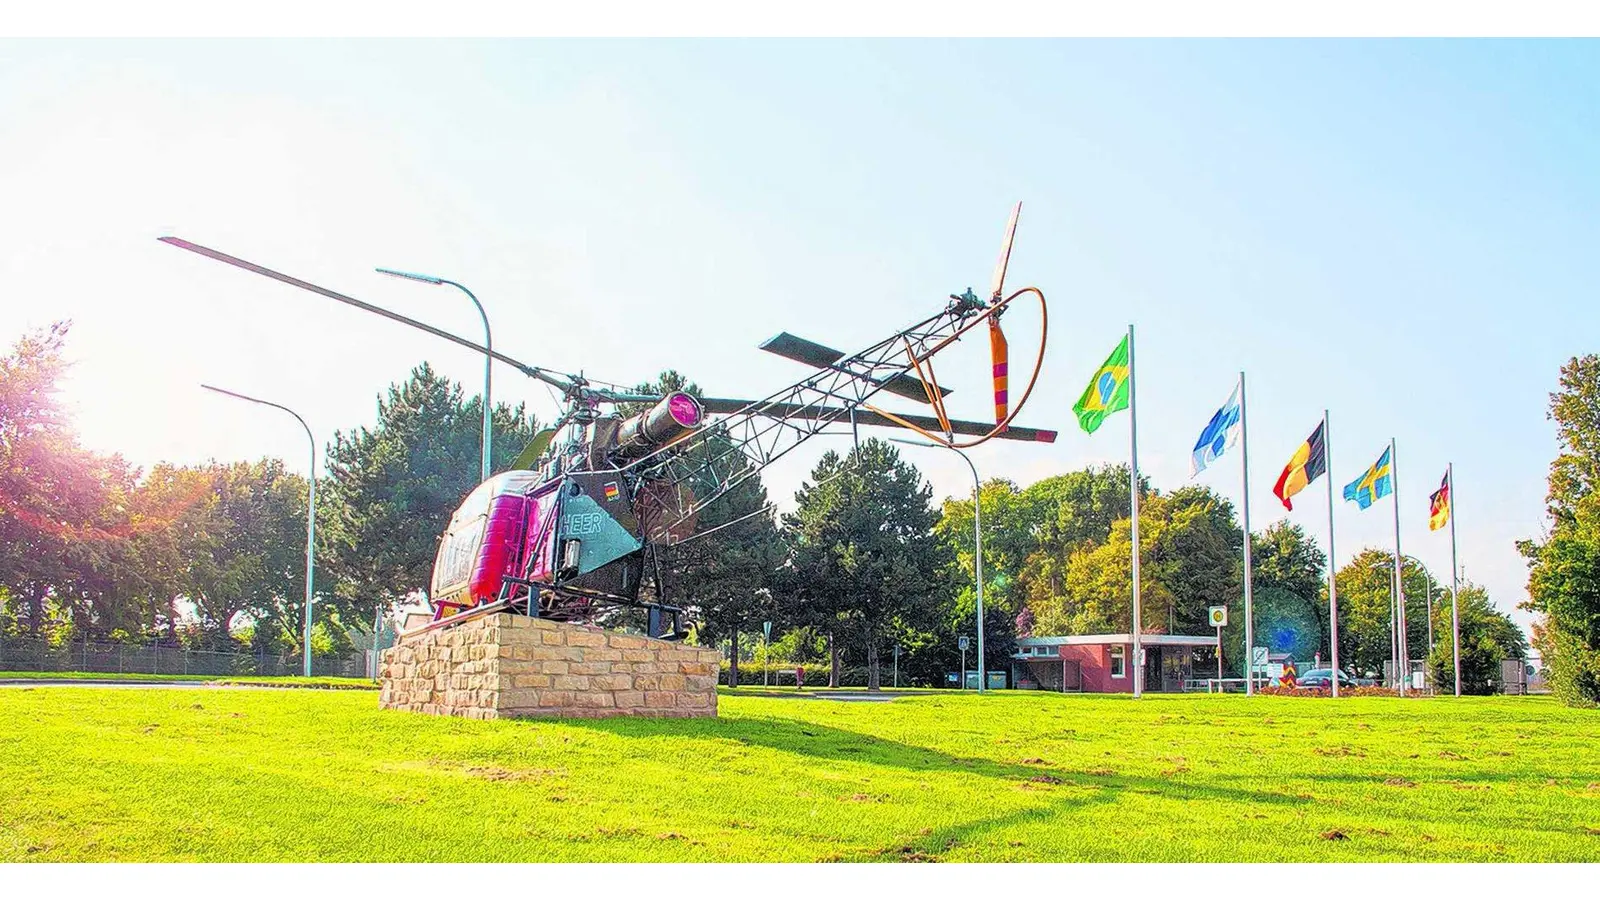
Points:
(1174, 668)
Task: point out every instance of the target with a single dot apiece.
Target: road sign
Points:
(962, 643)
(1258, 656)
(766, 630)
(1219, 616)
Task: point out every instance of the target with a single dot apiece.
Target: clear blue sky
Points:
(1399, 231)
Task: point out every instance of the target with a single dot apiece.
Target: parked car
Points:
(1321, 678)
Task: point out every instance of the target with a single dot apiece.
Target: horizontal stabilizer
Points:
(818, 356)
(801, 350)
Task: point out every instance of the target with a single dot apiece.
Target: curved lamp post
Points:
(977, 555)
(1427, 596)
(488, 344)
(311, 511)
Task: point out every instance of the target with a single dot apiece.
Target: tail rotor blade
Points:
(998, 353)
(997, 285)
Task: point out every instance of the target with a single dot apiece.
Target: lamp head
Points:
(414, 276)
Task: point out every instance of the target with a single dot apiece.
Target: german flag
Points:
(1308, 463)
(1439, 505)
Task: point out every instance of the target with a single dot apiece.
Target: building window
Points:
(1119, 661)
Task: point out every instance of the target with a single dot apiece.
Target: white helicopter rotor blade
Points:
(998, 284)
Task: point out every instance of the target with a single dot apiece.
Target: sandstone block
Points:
(507, 665)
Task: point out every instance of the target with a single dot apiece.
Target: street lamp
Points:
(977, 541)
(488, 345)
(1428, 594)
(311, 511)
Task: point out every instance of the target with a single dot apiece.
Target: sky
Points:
(1399, 232)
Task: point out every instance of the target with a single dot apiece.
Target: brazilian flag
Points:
(1107, 391)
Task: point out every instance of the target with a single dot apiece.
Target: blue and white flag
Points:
(1220, 434)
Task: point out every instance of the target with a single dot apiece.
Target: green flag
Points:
(1107, 391)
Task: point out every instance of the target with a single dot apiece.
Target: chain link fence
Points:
(33, 655)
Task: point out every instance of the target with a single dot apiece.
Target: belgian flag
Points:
(1308, 463)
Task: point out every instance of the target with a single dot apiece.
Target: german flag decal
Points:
(612, 491)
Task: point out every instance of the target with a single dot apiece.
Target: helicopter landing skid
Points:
(517, 595)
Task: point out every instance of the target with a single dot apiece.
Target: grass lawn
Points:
(244, 680)
(117, 774)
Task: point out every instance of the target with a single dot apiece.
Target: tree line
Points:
(1564, 563)
(212, 555)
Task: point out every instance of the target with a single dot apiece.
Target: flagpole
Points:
(1244, 476)
(1133, 492)
(1403, 664)
(1455, 569)
(1333, 588)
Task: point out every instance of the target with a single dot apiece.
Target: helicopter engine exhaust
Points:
(674, 416)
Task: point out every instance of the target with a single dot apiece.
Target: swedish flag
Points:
(1376, 484)
(1107, 391)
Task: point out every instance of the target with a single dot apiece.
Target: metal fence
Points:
(33, 655)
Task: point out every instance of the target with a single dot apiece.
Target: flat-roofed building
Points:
(1102, 663)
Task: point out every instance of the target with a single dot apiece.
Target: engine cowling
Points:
(674, 416)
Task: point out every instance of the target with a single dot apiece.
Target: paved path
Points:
(92, 682)
(848, 696)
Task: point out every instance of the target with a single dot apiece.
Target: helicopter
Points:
(575, 526)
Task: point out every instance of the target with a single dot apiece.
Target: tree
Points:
(1284, 624)
(1065, 514)
(1290, 599)
(63, 510)
(1366, 601)
(1009, 526)
(1488, 637)
(390, 490)
(865, 560)
(1189, 560)
(1564, 575)
(1195, 554)
(241, 549)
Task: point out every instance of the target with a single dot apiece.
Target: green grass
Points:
(318, 681)
(107, 774)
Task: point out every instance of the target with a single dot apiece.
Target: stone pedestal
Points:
(511, 666)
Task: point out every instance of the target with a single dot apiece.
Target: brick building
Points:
(1102, 663)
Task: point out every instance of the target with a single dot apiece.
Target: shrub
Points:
(1277, 691)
